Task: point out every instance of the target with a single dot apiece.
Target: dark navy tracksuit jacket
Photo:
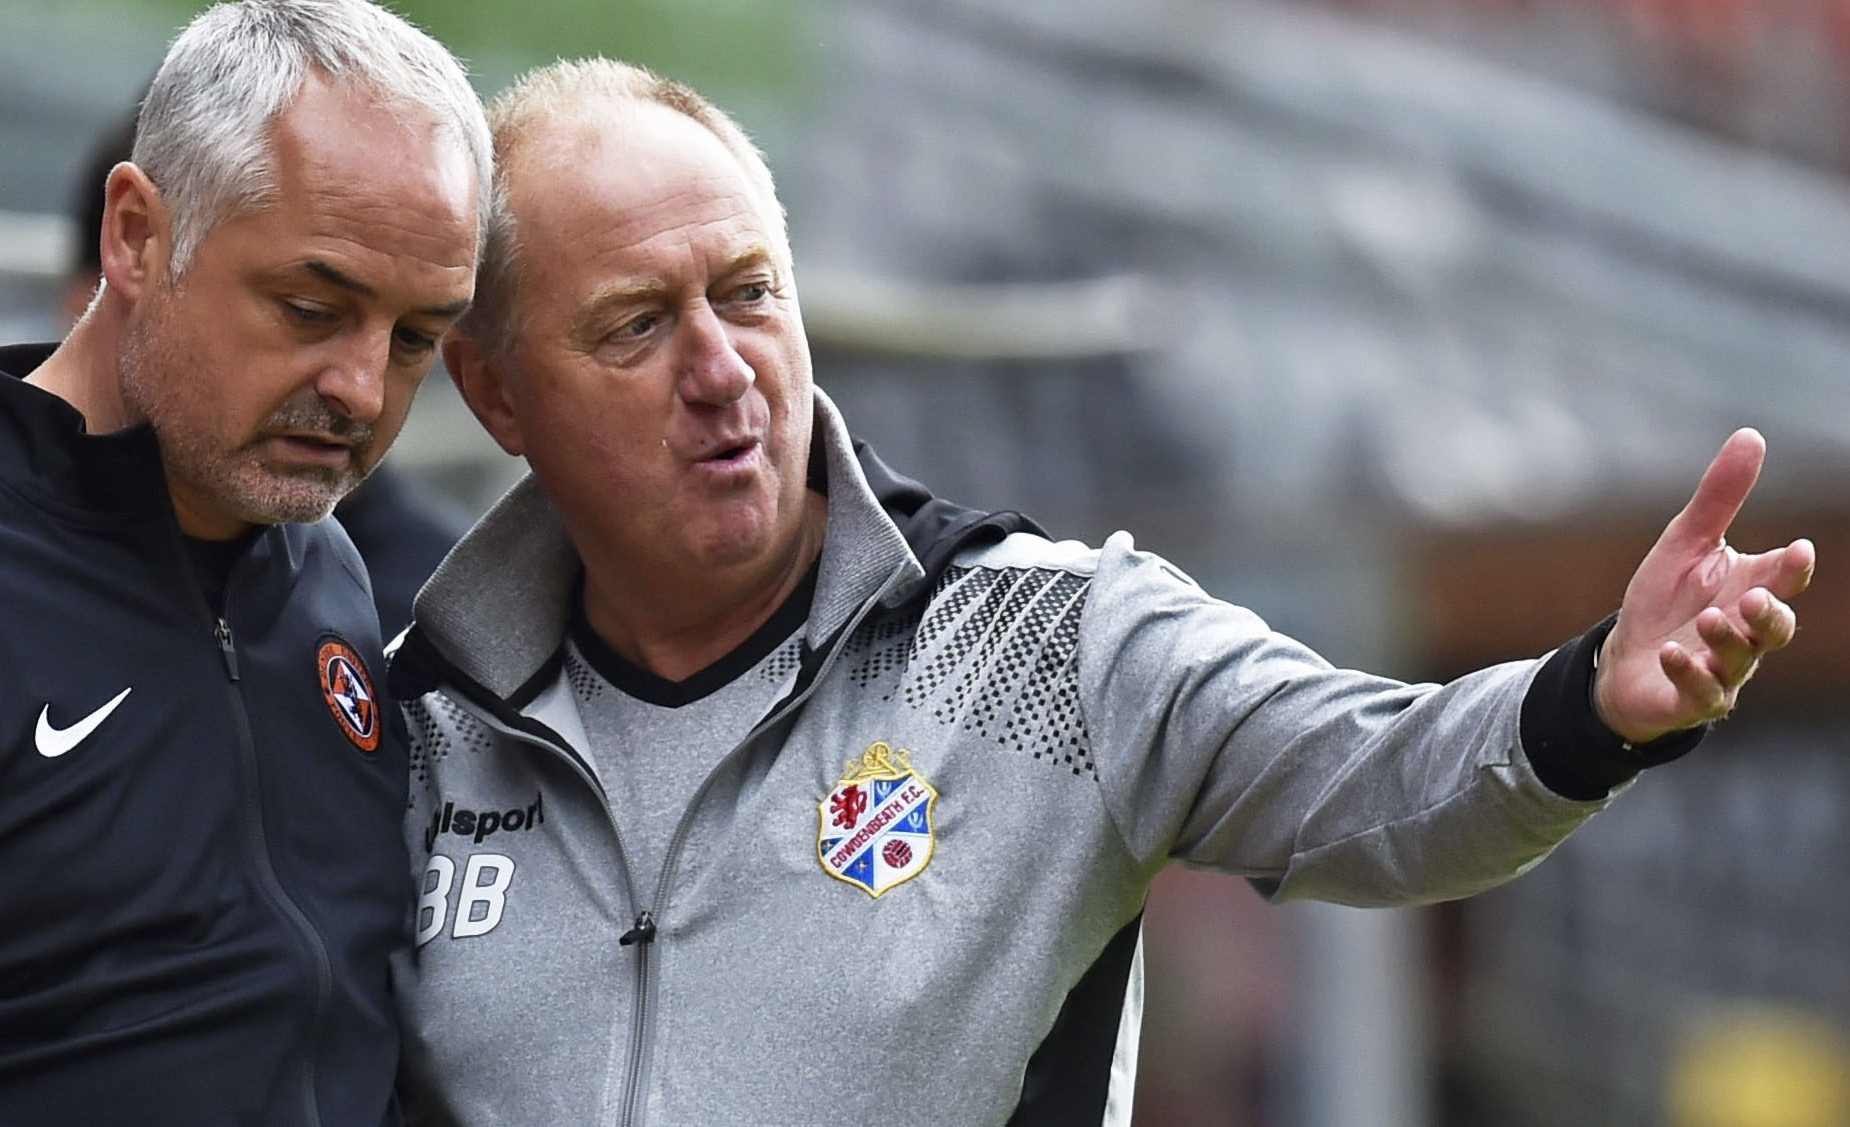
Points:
(201, 869)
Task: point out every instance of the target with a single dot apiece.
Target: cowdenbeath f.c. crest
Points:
(876, 828)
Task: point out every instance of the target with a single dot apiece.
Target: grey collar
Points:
(497, 606)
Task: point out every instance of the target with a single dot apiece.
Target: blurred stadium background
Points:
(1404, 322)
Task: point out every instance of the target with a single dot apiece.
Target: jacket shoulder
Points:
(1031, 550)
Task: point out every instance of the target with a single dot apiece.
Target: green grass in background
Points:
(731, 48)
(740, 52)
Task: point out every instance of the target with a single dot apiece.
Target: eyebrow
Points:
(754, 256)
(348, 282)
(586, 323)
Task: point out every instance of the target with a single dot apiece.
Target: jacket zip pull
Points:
(223, 634)
(643, 932)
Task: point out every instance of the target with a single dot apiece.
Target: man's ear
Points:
(481, 377)
(136, 240)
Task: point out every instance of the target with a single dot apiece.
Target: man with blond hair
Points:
(199, 798)
(752, 784)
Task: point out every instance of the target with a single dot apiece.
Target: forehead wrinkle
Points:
(359, 219)
(640, 251)
(651, 219)
(338, 278)
(680, 217)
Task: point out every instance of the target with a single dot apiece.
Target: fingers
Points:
(1696, 684)
(1793, 571)
(1786, 572)
(1770, 622)
(1707, 669)
(1723, 489)
(1734, 651)
(1731, 655)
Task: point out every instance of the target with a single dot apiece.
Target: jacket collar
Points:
(46, 450)
(495, 611)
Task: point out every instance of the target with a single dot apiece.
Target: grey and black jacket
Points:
(1040, 727)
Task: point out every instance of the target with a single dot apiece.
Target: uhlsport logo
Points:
(481, 887)
(348, 690)
(876, 827)
(479, 824)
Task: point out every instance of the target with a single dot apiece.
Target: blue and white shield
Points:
(876, 829)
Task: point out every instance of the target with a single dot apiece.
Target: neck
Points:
(676, 626)
(83, 372)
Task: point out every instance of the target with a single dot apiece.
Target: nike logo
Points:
(53, 742)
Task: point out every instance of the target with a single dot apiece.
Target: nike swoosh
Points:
(53, 742)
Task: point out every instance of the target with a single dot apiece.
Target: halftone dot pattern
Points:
(878, 650)
(586, 685)
(997, 652)
(438, 726)
(994, 653)
(974, 598)
(783, 661)
(1046, 718)
(956, 590)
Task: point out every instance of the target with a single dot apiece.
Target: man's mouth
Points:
(315, 448)
(732, 452)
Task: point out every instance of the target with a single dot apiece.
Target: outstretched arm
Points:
(1698, 615)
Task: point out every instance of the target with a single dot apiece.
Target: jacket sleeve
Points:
(1222, 743)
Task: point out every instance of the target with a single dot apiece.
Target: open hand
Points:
(1698, 615)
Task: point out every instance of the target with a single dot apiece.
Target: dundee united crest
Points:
(348, 691)
(876, 823)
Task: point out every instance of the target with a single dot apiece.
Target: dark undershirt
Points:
(212, 562)
(646, 686)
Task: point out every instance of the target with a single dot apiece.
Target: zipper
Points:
(645, 927)
(642, 1024)
(225, 649)
(256, 841)
(769, 720)
(642, 937)
(641, 934)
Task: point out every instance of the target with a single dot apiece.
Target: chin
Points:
(302, 510)
(733, 546)
(288, 499)
(729, 554)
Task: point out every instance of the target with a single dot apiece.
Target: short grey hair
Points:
(204, 132)
(582, 86)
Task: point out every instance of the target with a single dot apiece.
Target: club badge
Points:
(876, 827)
(348, 691)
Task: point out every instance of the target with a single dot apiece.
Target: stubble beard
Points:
(166, 383)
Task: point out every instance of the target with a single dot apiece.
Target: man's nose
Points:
(712, 371)
(353, 381)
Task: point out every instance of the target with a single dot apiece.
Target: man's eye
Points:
(752, 291)
(636, 327)
(307, 314)
(413, 341)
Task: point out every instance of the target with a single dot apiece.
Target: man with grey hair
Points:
(199, 796)
(752, 784)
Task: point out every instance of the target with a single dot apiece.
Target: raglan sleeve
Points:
(1222, 743)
